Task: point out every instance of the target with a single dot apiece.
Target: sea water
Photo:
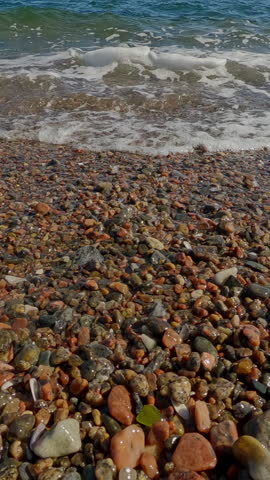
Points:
(150, 76)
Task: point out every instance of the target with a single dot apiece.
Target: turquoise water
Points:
(140, 75)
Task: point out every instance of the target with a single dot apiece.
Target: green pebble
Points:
(149, 415)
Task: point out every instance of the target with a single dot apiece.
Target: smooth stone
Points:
(63, 439)
(202, 417)
(154, 243)
(14, 281)
(171, 338)
(208, 361)
(127, 447)
(149, 415)
(184, 458)
(120, 406)
(72, 476)
(149, 342)
(201, 344)
(21, 426)
(159, 433)
(27, 357)
(223, 275)
(149, 465)
(222, 437)
(259, 427)
(255, 290)
(254, 456)
(256, 266)
(127, 474)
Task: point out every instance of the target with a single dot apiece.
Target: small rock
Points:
(223, 275)
(185, 458)
(14, 281)
(180, 390)
(220, 388)
(202, 418)
(27, 357)
(255, 290)
(21, 426)
(154, 243)
(222, 437)
(63, 439)
(254, 456)
(42, 208)
(139, 384)
(127, 447)
(149, 465)
(127, 474)
(259, 427)
(88, 257)
(119, 404)
(201, 344)
(171, 338)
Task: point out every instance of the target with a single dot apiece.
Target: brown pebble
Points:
(119, 404)
(184, 458)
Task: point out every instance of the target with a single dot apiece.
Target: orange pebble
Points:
(150, 400)
(46, 391)
(149, 465)
(83, 336)
(78, 385)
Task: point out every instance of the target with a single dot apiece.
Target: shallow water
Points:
(136, 75)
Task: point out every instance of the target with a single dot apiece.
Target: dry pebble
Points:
(126, 282)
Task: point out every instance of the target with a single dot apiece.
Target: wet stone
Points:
(222, 437)
(88, 257)
(62, 439)
(27, 357)
(180, 390)
(254, 290)
(22, 426)
(127, 447)
(139, 384)
(201, 344)
(221, 388)
(120, 406)
(184, 458)
(259, 427)
(254, 456)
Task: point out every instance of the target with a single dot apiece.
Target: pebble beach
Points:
(134, 314)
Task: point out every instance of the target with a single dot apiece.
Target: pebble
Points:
(222, 437)
(254, 456)
(127, 474)
(180, 390)
(201, 344)
(14, 281)
(120, 406)
(202, 418)
(255, 290)
(127, 447)
(259, 427)
(149, 465)
(140, 385)
(184, 458)
(223, 275)
(62, 439)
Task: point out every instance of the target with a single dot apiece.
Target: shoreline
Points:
(114, 284)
